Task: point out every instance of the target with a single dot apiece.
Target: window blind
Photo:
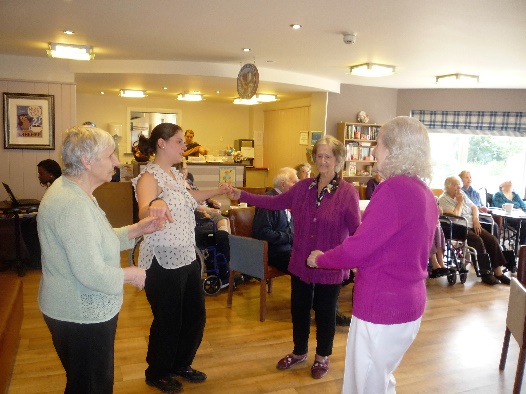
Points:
(512, 124)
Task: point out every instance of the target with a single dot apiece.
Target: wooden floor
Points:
(457, 350)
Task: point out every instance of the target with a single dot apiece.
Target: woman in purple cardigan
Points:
(391, 250)
(325, 211)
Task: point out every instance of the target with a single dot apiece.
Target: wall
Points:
(378, 103)
(19, 166)
(461, 100)
(216, 125)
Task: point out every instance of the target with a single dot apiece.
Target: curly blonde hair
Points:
(407, 141)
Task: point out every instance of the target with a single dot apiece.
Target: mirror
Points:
(143, 120)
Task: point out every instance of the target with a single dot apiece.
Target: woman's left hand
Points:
(311, 260)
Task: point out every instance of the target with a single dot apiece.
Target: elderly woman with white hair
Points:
(325, 211)
(391, 250)
(81, 290)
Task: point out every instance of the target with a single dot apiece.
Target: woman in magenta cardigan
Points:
(325, 210)
(391, 250)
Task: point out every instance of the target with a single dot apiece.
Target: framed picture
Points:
(304, 138)
(315, 136)
(29, 121)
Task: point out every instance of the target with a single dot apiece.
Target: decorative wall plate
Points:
(247, 81)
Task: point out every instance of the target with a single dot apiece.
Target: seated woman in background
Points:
(372, 183)
(506, 195)
(193, 148)
(48, 172)
(303, 170)
(473, 195)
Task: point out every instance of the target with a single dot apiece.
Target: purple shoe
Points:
(289, 361)
(320, 369)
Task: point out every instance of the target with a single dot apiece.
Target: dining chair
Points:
(249, 256)
(516, 321)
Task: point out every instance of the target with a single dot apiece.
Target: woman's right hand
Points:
(135, 276)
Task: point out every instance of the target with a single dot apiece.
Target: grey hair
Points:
(450, 179)
(338, 150)
(407, 141)
(283, 175)
(83, 141)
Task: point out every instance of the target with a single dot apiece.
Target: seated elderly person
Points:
(372, 183)
(468, 190)
(454, 201)
(506, 195)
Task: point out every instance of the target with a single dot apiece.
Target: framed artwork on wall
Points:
(29, 121)
(314, 136)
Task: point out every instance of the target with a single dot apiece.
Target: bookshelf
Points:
(359, 140)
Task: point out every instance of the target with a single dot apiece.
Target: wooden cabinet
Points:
(359, 140)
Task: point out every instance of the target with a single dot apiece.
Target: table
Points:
(19, 243)
(511, 227)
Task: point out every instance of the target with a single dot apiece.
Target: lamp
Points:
(132, 93)
(251, 101)
(266, 98)
(190, 96)
(457, 78)
(372, 70)
(70, 51)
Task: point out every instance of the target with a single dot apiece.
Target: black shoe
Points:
(490, 279)
(166, 385)
(191, 375)
(342, 320)
(503, 279)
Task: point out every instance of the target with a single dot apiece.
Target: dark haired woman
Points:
(173, 282)
(48, 172)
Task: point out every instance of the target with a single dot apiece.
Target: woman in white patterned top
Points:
(173, 282)
(82, 281)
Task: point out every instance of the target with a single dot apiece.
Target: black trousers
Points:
(86, 353)
(179, 316)
(323, 298)
(280, 260)
(486, 242)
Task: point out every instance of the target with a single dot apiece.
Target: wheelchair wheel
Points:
(211, 285)
(133, 257)
(452, 278)
(463, 277)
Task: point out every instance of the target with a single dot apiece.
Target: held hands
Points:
(224, 188)
(234, 194)
(135, 276)
(311, 260)
(150, 224)
(159, 209)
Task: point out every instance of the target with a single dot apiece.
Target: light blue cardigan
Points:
(82, 280)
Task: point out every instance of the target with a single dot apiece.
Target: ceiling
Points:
(197, 45)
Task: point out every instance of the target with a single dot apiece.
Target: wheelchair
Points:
(214, 264)
(457, 253)
(214, 247)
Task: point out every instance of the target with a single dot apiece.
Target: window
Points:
(490, 159)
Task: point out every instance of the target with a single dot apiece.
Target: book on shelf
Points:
(350, 168)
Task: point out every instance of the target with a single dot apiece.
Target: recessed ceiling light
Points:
(165, 87)
(372, 70)
(101, 92)
(217, 91)
(69, 51)
(68, 32)
(456, 78)
(296, 26)
(251, 101)
(190, 97)
(132, 93)
(246, 49)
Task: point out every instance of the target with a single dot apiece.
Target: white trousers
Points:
(374, 351)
